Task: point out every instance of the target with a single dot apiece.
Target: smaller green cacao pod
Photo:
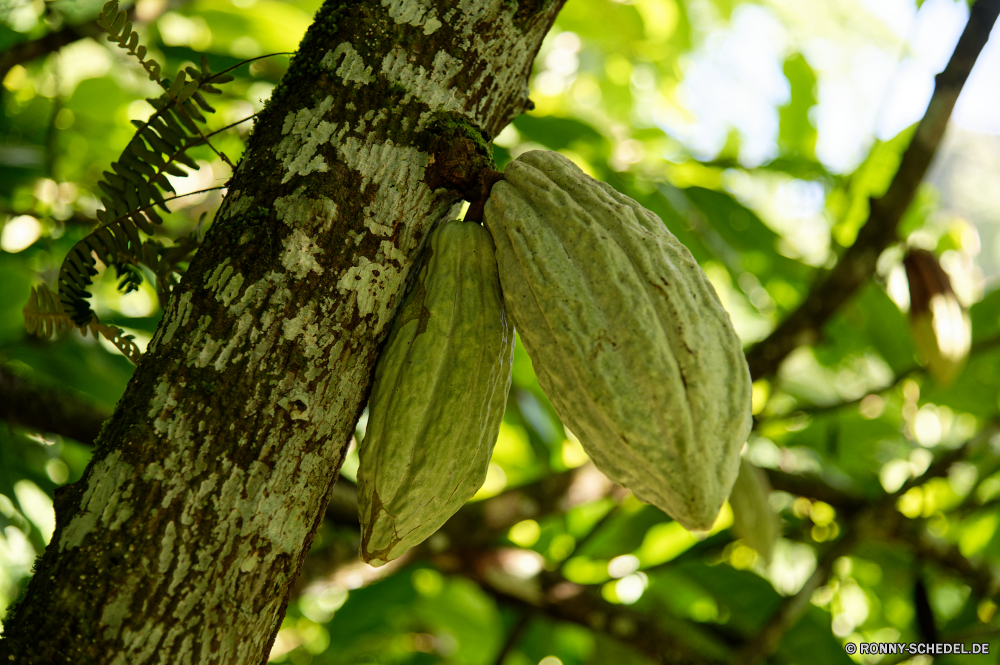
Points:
(626, 334)
(439, 395)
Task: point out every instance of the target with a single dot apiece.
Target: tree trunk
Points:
(182, 540)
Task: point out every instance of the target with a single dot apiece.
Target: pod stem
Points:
(487, 178)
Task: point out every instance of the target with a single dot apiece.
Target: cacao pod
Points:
(626, 334)
(438, 398)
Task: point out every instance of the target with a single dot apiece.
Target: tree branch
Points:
(468, 536)
(673, 640)
(815, 488)
(23, 52)
(982, 346)
(647, 632)
(880, 520)
(858, 264)
(980, 576)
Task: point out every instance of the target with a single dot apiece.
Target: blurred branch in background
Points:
(659, 637)
(513, 636)
(76, 217)
(467, 546)
(857, 265)
(25, 52)
(47, 408)
(912, 371)
(815, 488)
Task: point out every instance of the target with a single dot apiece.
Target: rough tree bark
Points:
(182, 540)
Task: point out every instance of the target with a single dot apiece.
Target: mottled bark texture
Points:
(182, 540)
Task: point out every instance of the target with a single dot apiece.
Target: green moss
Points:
(451, 124)
(256, 220)
(305, 65)
(523, 11)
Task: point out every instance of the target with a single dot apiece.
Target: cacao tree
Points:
(183, 539)
(863, 512)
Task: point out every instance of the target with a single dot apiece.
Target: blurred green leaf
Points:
(849, 207)
(557, 133)
(615, 26)
(796, 134)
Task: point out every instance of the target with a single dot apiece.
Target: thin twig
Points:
(246, 62)
(166, 200)
(793, 607)
(514, 636)
(982, 346)
(229, 126)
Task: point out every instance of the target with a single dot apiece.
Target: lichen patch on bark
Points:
(306, 131)
(352, 69)
(433, 87)
(105, 485)
(413, 12)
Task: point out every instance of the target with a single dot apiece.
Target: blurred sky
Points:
(865, 91)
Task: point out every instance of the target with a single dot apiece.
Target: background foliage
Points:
(757, 131)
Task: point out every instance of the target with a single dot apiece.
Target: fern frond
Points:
(133, 188)
(137, 182)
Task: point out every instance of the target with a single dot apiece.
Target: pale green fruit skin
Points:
(438, 398)
(626, 334)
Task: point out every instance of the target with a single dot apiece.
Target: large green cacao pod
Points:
(626, 334)
(438, 398)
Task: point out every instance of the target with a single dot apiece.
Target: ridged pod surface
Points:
(626, 334)
(438, 398)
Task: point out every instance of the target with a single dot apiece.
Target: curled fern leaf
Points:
(115, 22)
(45, 316)
(122, 342)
